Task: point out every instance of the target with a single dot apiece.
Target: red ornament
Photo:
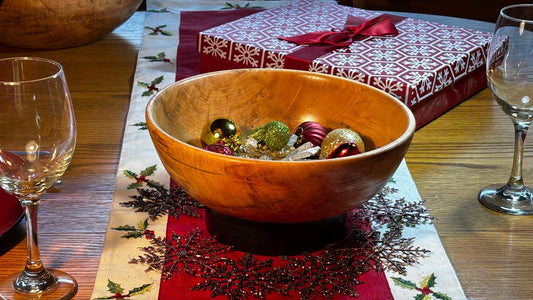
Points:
(219, 148)
(344, 149)
(311, 131)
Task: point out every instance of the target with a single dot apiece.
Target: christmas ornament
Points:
(311, 131)
(219, 148)
(338, 137)
(275, 135)
(343, 150)
(221, 131)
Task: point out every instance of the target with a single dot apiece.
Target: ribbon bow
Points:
(353, 28)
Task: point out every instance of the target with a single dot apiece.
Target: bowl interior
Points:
(253, 97)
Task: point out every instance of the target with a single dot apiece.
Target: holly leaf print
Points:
(149, 171)
(429, 281)
(133, 232)
(158, 80)
(425, 290)
(441, 296)
(142, 178)
(153, 184)
(114, 287)
(404, 283)
(159, 10)
(141, 125)
(161, 56)
(158, 30)
(117, 291)
(143, 224)
(130, 174)
(133, 235)
(125, 228)
(134, 185)
(140, 290)
(151, 58)
(151, 87)
(228, 5)
(147, 93)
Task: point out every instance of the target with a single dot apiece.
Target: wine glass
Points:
(510, 76)
(37, 139)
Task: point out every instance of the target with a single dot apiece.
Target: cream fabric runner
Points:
(138, 154)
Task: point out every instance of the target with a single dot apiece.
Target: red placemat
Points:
(178, 287)
(10, 213)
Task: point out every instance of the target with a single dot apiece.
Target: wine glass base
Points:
(501, 199)
(65, 288)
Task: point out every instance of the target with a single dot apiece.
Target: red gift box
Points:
(428, 66)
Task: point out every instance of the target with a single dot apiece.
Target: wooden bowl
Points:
(278, 191)
(52, 24)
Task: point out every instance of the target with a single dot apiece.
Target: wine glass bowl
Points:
(510, 77)
(37, 142)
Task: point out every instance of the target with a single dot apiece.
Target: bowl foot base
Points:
(274, 238)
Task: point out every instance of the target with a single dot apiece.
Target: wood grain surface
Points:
(450, 159)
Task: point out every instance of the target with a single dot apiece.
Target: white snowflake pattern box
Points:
(430, 67)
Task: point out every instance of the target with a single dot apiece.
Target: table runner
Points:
(430, 277)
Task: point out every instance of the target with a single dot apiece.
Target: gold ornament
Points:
(221, 131)
(338, 137)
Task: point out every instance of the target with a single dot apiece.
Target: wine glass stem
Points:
(515, 180)
(35, 278)
(33, 262)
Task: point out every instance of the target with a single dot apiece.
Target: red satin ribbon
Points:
(354, 27)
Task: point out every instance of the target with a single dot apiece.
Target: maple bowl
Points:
(51, 24)
(278, 191)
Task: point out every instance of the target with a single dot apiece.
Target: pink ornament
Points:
(311, 131)
(219, 148)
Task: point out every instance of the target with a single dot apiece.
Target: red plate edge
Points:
(10, 211)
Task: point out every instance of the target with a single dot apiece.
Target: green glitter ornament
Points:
(277, 135)
(274, 134)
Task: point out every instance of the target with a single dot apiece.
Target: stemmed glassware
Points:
(37, 139)
(510, 76)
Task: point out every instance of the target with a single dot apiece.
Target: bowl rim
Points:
(407, 134)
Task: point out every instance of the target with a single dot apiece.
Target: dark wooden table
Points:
(450, 159)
